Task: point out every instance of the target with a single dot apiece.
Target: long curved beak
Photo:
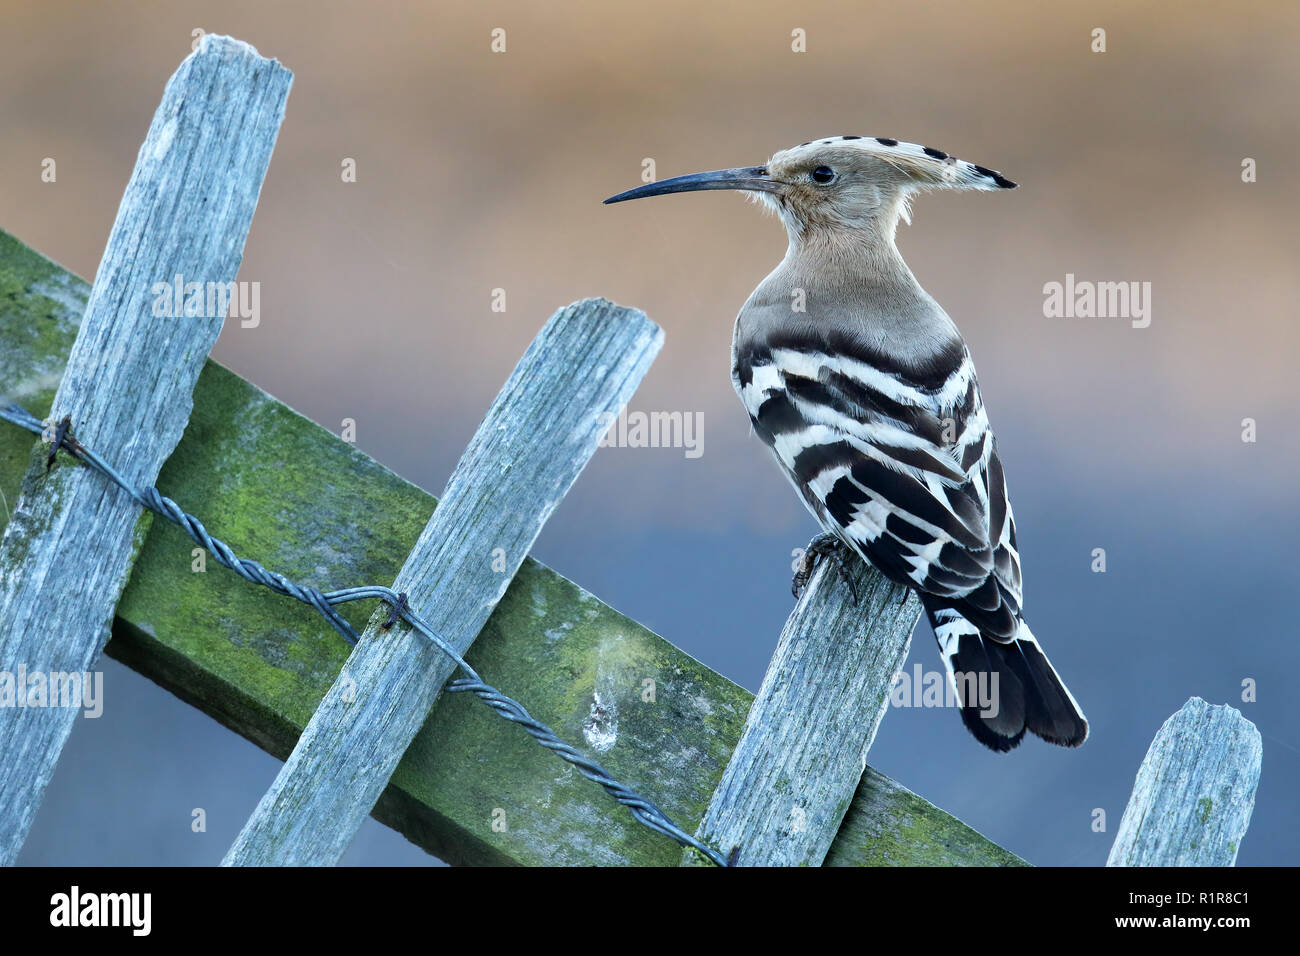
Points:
(744, 178)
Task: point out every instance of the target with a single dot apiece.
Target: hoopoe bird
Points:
(865, 392)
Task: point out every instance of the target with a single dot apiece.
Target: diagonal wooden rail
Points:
(284, 490)
(537, 437)
(71, 539)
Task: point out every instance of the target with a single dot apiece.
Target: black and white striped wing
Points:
(903, 470)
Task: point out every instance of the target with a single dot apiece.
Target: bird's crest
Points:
(921, 166)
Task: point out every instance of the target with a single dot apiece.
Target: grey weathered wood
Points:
(1194, 793)
(538, 435)
(68, 548)
(804, 747)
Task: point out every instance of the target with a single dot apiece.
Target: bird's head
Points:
(840, 183)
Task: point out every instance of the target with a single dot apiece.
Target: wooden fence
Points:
(776, 779)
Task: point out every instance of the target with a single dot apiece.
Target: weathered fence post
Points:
(538, 435)
(804, 746)
(1194, 793)
(67, 551)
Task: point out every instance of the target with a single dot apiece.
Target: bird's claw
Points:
(824, 545)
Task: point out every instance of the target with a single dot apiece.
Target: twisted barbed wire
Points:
(645, 811)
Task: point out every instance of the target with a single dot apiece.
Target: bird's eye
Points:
(822, 175)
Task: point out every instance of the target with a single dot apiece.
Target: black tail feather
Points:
(1018, 689)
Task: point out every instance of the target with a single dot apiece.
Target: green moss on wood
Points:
(888, 825)
(1206, 806)
(40, 308)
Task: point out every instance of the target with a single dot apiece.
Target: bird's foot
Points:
(823, 546)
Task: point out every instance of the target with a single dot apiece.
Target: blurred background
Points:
(479, 171)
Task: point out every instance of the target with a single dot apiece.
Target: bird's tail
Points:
(1005, 687)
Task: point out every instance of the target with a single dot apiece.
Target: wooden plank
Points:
(67, 549)
(1195, 791)
(804, 747)
(537, 437)
(889, 825)
(285, 491)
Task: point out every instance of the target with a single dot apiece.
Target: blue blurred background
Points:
(480, 171)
